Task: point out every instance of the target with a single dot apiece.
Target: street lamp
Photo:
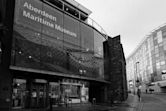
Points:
(137, 63)
(136, 77)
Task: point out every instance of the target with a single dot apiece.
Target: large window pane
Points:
(46, 39)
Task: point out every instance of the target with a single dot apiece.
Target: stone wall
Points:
(115, 69)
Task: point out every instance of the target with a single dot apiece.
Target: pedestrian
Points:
(139, 94)
(66, 100)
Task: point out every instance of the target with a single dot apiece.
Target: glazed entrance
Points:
(19, 93)
(37, 93)
(31, 94)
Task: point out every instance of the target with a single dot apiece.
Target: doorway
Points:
(18, 93)
(38, 95)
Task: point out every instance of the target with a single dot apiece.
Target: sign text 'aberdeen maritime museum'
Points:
(38, 14)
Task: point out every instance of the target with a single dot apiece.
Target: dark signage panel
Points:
(98, 53)
(72, 40)
(87, 42)
(39, 17)
(98, 45)
(45, 39)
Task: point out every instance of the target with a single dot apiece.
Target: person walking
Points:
(139, 94)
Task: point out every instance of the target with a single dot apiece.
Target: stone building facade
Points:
(115, 69)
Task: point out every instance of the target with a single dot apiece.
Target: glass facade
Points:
(46, 39)
(148, 62)
(19, 93)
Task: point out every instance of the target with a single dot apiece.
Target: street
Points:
(153, 102)
(150, 102)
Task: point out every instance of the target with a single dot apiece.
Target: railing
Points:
(94, 24)
(89, 21)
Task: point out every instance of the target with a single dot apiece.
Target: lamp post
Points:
(136, 77)
(137, 69)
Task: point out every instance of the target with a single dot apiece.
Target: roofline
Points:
(144, 38)
(79, 6)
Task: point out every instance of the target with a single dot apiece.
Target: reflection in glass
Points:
(68, 47)
(19, 93)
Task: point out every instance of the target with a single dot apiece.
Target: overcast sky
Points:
(132, 19)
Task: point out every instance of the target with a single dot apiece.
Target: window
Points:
(83, 17)
(164, 34)
(158, 65)
(162, 62)
(19, 92)
(155, 38)
(156, 50)
(157, 55)
(160, 45)
(71, 11)
(164, 46)
(155, 42)
(159, 36)
(157, 59)
(56, 3)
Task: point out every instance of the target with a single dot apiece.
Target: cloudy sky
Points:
(132, 19)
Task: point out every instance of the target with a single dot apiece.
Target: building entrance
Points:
(38, 95)
(19, 93)
(54, 92)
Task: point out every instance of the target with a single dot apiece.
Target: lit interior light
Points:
(67, 9)
(30, 57)
(18, 84)
(80, 71)
(87, 49)
(19, 52)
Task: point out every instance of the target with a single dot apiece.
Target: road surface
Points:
(152, 102)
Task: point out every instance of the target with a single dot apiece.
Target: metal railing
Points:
(94, 24)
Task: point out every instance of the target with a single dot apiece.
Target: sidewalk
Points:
(75, 107)
(131, 104)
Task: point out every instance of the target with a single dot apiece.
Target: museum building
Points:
(49, 49)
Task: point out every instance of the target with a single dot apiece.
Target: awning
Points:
(162, 83)
(59, 74)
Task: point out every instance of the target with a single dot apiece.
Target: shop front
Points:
(23, 97)
(19, 93)
(37, 93)
(73, 91)
(54, 93)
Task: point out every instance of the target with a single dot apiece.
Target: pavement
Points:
(154, 102)
(149, 102)
(131, 104)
